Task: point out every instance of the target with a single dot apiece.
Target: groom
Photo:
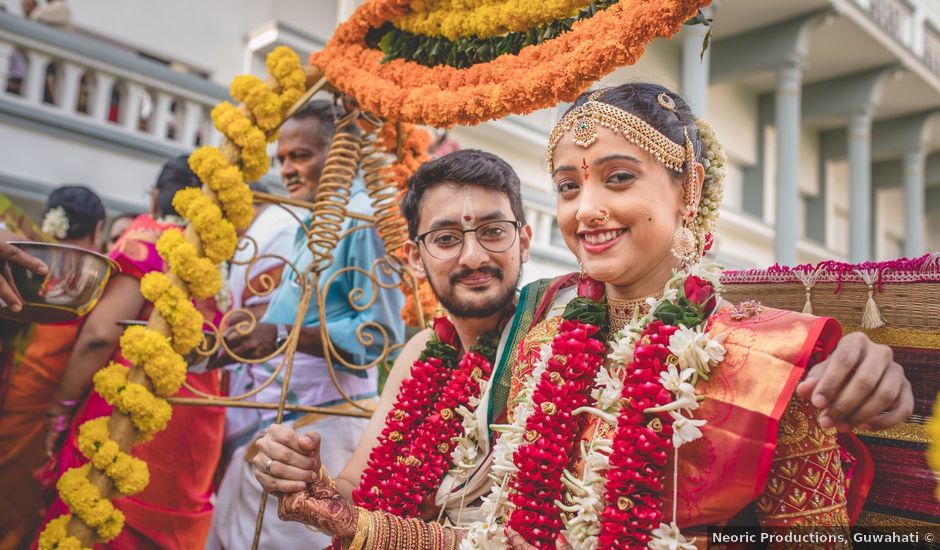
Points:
(467, 191)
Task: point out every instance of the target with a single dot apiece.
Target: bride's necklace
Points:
(622, 311)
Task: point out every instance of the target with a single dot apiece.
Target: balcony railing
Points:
(932, 49)
(896, 17)
(47, 70)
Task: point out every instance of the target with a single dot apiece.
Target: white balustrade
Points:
(896, 17)
(932, 49)
(181, 100)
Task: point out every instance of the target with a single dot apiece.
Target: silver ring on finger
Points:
(267, 465)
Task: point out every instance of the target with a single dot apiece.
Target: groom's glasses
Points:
(446, 244)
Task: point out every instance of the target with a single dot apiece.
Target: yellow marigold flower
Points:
(266, 106)
(455, 19)
(226, 182)
(216, 233)
(284, 65)
(85, 501)
(109, 380)
(112, 525)
(130, 474)
(92, 434)
(152, 351)
(55, 536)
(173, 303)
(201, 275)
(148, 413)
(107, 453)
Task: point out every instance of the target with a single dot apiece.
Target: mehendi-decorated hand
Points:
(321, 506)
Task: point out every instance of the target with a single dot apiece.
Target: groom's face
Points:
(476, 281)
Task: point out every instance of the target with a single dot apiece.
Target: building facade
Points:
(829, 110)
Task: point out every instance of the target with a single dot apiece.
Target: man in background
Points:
(302, 150)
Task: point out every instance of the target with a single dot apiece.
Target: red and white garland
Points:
(421, 430)
(646, 393)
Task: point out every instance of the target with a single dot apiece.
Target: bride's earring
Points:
(683, 243)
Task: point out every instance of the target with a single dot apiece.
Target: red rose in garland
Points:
(700, 292)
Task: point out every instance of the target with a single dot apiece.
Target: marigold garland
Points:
(431, 51)
(173, 303)
(410, 144)
(226, 182)
(130, 475)
(200, 274)
(537, 77)
(217, 234)
(149, 414)
(152, 351)
(456, 19)
(56, 536)
(86, 502)
(250, 140)
(157, 355)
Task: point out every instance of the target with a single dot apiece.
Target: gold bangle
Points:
(384, 528)
(362, 530)
(370, 540)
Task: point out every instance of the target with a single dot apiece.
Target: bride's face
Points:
(644, 200)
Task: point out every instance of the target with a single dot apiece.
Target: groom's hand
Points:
(286, 461)
(859, 385)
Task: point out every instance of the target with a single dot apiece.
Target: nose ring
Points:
(602, 219)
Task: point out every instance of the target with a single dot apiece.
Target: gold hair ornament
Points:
(584, 119)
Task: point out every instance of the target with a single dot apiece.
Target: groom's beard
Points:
(500, 300)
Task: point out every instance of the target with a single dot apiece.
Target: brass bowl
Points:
(196, 363)
(73, 285)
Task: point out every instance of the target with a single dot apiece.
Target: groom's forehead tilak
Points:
(475, 208)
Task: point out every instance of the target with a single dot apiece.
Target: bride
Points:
(633, 407)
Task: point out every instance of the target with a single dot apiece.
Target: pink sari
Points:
(174, 511)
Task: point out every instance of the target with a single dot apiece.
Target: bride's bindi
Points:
(585, 168)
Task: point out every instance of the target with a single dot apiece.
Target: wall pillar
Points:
(787, 118)
(860, 217)
(913, 169)
(695, 67)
